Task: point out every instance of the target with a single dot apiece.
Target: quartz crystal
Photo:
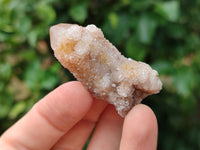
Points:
(101, 68)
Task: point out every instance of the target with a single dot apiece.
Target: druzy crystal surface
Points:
(101, 68)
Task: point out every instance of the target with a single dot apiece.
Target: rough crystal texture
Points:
(101, 68)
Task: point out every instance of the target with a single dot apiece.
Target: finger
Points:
(107, 134)
(50, 118)
(140, 129)
(79, 134)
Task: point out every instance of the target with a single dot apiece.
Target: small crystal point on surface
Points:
(101, 68)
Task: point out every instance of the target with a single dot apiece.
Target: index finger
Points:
(49, 119)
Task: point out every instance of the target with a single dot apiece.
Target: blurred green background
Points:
(163, 33)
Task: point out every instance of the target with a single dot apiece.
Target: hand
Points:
(65, 118)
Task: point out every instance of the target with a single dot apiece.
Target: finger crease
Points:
(16, 144)
(47, 120)
(90, 121)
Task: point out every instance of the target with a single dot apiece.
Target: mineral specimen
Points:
(101, 68)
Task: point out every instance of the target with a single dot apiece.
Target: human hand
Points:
(65, 118)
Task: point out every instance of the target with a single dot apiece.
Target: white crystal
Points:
(101, 68)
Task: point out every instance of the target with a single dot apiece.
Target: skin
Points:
(65, 118)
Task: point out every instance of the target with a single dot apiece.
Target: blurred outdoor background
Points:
(163, 33)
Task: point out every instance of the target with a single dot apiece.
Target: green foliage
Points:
(79, 12)
(146, 29)
(163, 33)
(169, 10)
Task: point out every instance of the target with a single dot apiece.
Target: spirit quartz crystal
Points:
(101, 68)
